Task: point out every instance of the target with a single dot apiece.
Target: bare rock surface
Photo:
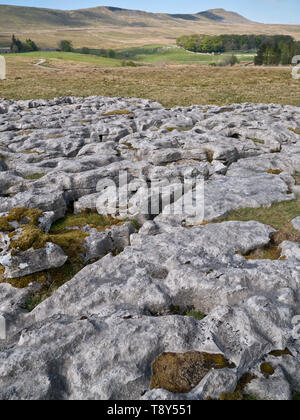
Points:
(180, 284)
(296, 223)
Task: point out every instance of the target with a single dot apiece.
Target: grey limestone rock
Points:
(97, 336)
(33, 261)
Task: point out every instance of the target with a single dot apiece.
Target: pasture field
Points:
(65, 56)
(167, 54)
(151, 54)
(171, 85)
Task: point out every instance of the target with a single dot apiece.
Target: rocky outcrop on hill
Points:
(151, 301)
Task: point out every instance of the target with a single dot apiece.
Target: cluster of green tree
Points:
(67, 46)
(225, 43)
(18, 46)
(276, 51)
(100, 52)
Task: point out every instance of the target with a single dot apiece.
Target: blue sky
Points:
(268, 11)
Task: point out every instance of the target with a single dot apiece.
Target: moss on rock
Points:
(92, 219)
(181, 372)
(267, 369)
(279, 353)
(117, 112)
(71, 241)
(65, 233)
(274, 171)
(22, 215)
(170, 129)
(29, 236)
(4, 225)
(239, 393)
(294, 131)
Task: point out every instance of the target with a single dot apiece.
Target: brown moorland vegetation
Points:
(171, 85)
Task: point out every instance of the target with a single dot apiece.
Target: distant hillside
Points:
(10, 16)
(221, 15)
(110, 26)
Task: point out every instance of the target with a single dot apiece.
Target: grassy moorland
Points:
(172, 85)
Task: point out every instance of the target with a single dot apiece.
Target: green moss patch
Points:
(65, 233)
(197, 315)
(21, 215)
(267, 369)
(181, 372)
(274, 171)
(51, 280)
(33, 177)
(295, 131)
(30, 237)
(117, 112)
(93, 219)
(239, 393)
(210, 155)
(177, 128)
(129, 146)
(258, 141)
(187, 311)
(71, 241)
(278, 215)
(279, 353)
(296, 396)
(4, 225)
(269, 252)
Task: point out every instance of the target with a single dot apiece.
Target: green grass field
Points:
(75, 57)
(154, 55)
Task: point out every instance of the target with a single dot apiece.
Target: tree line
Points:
(225, 43)
(276, 51)
(67, 46)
